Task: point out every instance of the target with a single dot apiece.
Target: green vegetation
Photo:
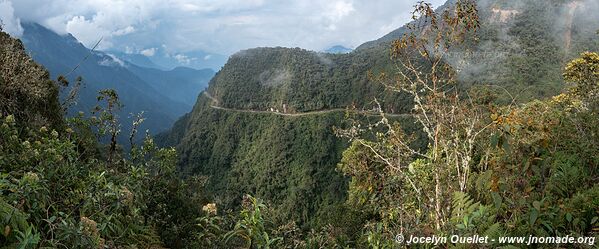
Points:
(296, 80)
(286, 160)
(163, 95)
(470, 160)
(61, 188)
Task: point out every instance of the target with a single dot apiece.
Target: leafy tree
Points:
(583, 72)
(452, 126)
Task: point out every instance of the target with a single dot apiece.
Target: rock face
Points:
(26, 90)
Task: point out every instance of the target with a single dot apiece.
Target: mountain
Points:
(265, 124)
(338, 49)
(82, 184)
(269, 126)
(397, 33)
(160, 98)
(136, 59)
(179, 84)
(165, 60)
(26, 91)
(193, 59)
(182, 83)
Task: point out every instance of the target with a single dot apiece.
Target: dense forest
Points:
(477, 118)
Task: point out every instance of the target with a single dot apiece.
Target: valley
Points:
(473, 119)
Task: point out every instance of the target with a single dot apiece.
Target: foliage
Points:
(289, 162)
(464, 162)
(26, 90)
(251, 228)
(583, 72)
(57, 186)
(529, 169)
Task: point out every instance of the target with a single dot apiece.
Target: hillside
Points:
(162, 95)
(245, 152)
(60, 187)
(483, 126)
(180, 84)
(31, 97)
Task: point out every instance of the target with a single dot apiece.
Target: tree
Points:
(452, 122)
(583, 72)
(108, 122)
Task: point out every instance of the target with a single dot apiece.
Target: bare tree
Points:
(450, 118)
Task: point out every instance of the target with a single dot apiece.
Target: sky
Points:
(214, 26)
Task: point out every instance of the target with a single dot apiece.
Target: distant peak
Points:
(338, 49)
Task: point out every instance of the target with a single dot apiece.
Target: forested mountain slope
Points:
(451, 157)
(60, 187)
(163, 95)
(31, 97)
(180, 84)
(290, 161)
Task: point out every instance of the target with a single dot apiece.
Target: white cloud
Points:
(207, 57)
(10, 23)
(111, 61)
(129, 50)
(339, 10)
(148, 52)
(184, 59)
(124, 31)
(87, 31)
(215, 26)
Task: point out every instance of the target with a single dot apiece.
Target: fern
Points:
(463, 206)
(473, 218)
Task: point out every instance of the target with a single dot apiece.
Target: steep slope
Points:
(136, 59)
(295, 80)
(60, 189)
(60, 54)
(181, 84)
(284, 159)
(26, 90)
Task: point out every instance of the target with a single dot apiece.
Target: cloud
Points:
(339, 9)
(148, 52)
(88, 32)
(124, 31)
(214, 26)
(10, 23)
(111, 61)
(184, 59)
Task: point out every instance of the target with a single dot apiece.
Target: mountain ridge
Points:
(221, 143)
(61, 54)
(338, 49)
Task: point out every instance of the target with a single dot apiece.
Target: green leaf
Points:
(497, 200)
(494, 140)
(506, 145)
(548, 226)
(537, 205)
(534, 214)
